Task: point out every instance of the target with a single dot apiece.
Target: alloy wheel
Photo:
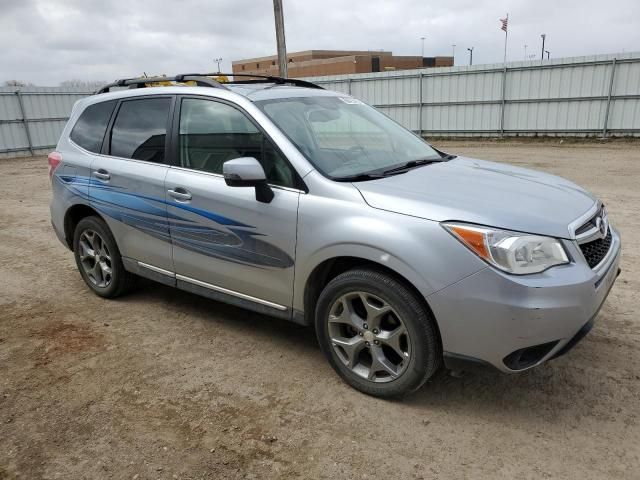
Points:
(95, 258)
(369, 337)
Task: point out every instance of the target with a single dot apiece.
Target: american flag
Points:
(504, 21)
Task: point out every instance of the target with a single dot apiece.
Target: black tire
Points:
(426, 349)
(121, 280)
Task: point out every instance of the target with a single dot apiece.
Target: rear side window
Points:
(140, 129)
(88, 132)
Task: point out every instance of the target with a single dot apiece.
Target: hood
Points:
(486, 193)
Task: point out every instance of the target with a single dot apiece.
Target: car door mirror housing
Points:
(247, 172)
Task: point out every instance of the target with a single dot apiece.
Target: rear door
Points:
(223, 238)
(127, 180)
(85, 144)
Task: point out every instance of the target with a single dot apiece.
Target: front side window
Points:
(212, 133)
(343, 137)
(140, 129)
(88, 132)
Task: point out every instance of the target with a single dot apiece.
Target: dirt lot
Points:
(164, 384)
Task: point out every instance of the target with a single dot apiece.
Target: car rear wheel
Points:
(98, 258)
(376, 333)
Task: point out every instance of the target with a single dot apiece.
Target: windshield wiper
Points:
(359, 177)
(412, 164)
(403, 168)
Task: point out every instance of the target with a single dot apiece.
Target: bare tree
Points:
(14, 83)
(86, 84)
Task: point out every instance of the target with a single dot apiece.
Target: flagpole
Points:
(505, 25)
(506, 34)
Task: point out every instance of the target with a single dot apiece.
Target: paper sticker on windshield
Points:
(350, 100)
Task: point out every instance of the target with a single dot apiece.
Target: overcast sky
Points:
(48, 41)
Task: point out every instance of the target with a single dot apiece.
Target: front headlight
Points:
(512, 252)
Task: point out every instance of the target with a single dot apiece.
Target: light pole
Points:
(422, 51)
(218, 60)
(547, 52)
(470, 55)
(525, 52)
(453, 53)
(543, 36)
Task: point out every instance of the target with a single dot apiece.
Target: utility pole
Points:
(548, 54)
(544, 35)
(453, 53)
(525, 52)
(218, 60)
(470, 55)
(422, 51)
(280, 40)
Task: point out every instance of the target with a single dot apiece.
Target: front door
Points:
(223, 238)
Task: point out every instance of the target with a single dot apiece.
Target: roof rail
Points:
(269, 78)
(205, 80)
(200, 80)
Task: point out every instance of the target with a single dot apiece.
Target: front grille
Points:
(596, 250)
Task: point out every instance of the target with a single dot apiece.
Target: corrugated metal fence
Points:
(32, 118)
(597, 95)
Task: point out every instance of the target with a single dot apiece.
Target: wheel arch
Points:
(331, 267)
(72, 217)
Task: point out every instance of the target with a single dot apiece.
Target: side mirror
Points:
(247, 172)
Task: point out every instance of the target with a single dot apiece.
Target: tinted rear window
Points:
(88, 131)
(140, 129)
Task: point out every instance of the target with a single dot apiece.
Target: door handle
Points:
(180, 194)
(102, 174)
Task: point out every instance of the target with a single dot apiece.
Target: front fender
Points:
(419, 250)
(365, 252)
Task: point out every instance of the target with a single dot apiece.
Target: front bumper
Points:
(517, 322)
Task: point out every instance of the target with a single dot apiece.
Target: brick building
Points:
(311, 63)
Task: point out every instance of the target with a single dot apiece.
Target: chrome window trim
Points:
(244, 296)
(104, 155)
(219, 175)
(192, 170)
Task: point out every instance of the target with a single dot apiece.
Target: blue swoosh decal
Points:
(226, 240)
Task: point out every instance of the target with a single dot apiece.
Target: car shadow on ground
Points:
(550, 391)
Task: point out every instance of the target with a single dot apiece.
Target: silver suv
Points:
(308, 205)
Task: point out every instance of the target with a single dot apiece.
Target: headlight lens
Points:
(512, 252)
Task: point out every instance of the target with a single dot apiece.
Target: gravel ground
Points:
(164, 384)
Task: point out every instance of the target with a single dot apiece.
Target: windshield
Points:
(343, 137)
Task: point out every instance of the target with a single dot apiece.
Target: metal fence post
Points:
(503, 102)
(606, 112)
(24, 120)
(420, 103)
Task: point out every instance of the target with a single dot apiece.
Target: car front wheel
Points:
(376, 333)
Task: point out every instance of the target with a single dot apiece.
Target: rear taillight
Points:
(54, 160)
